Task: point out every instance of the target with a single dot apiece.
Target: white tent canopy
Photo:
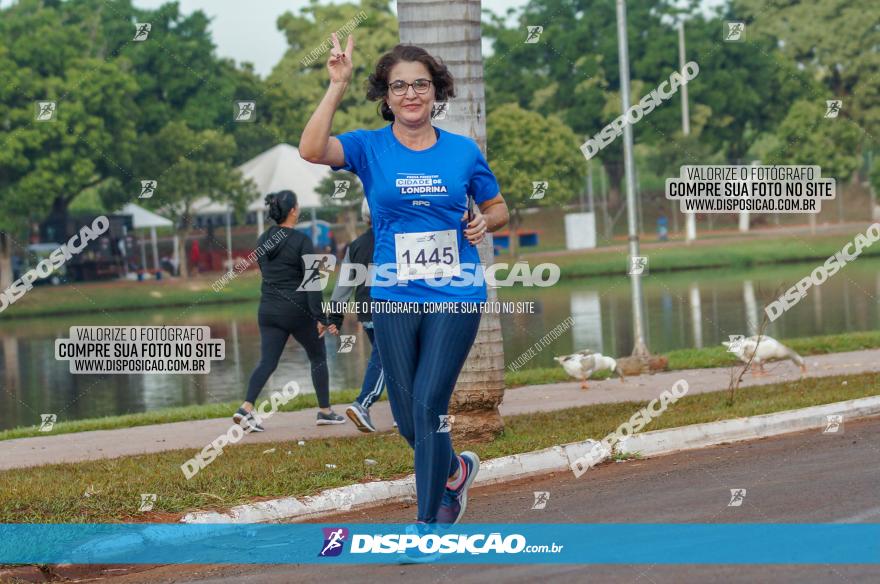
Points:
(281, 168)
(144, 219)
(278, 168)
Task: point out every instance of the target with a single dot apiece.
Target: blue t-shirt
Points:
(420, 192)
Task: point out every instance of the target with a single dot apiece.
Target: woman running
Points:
(286, 311)
(417, 180)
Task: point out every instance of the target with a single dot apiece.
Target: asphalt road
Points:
(805, 477)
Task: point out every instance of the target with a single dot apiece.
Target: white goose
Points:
(583, 364)
(768, 349)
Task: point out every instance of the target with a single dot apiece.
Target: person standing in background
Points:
(360, 253)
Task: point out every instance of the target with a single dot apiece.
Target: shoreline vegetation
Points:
(678, 360)
(110, 490)
(107, 297)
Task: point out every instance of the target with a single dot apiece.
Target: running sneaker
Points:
(360, 416)
(454, 501)
(247, 420)
(415, 555)
(331, 418)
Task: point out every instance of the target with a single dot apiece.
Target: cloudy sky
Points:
(246, 31)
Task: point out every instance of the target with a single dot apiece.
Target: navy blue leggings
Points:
(374, 377)
(422, 355)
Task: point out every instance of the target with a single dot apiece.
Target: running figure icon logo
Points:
(833, 424)
(735, 343)
(832, 107)
(46, 111)
(534, 34)
(737, 496)
(446, 424)
(318, 269)
(734, 31)
(341, 188)
(245, 111)
(346, 343)
(439, 110)
(148, 188)
(147, 502)
(637, 265)
(334, 540)
(142, 31)
(47, 422)
(539, 189)
(541, 499)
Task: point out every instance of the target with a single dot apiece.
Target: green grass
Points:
(713, 357)
(93, 297)
(678, 359)
(245, 472)
(167, 415)
(747, 253)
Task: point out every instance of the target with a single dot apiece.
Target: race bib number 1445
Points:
(428, 254)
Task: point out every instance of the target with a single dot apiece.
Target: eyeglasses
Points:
(401, 87)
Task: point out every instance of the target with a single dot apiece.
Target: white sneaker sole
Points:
(237, 419)
(355, 417)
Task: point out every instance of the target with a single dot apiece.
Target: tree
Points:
(44, 165)
(297, 82)
(113, 97)
(572, 71)
(807, 137)
(524, 148)
(837, 40)
(350, 203)
(189, 165)
(455, 37)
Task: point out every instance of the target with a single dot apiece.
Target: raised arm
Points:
(316, 144)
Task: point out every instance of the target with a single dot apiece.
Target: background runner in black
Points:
(286, 311)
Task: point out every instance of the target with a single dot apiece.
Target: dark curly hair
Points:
(377, 84)
(280, 204)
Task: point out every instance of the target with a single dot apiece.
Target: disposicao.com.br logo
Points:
(449, 543)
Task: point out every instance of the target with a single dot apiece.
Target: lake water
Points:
(687, 309)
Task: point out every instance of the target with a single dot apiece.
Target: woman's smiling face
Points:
(411, 107)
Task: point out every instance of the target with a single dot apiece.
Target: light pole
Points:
(690, 218)
(639, 348)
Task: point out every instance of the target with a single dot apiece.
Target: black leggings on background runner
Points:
(274, 330)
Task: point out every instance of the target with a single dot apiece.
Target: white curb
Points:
(713, 433)
(553, 459)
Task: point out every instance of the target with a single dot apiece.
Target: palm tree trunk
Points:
(450, 30)
(5, 261)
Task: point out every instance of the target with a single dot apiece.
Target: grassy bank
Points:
(680, 359)
(747, 253)
(715, 356)
(244, 473)
(120, 296)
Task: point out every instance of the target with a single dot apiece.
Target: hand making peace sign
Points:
(339, 63)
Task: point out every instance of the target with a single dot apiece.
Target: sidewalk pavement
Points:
(300, 425)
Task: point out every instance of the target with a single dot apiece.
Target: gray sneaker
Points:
(326, 419)
(247, 420)
(360, 416)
